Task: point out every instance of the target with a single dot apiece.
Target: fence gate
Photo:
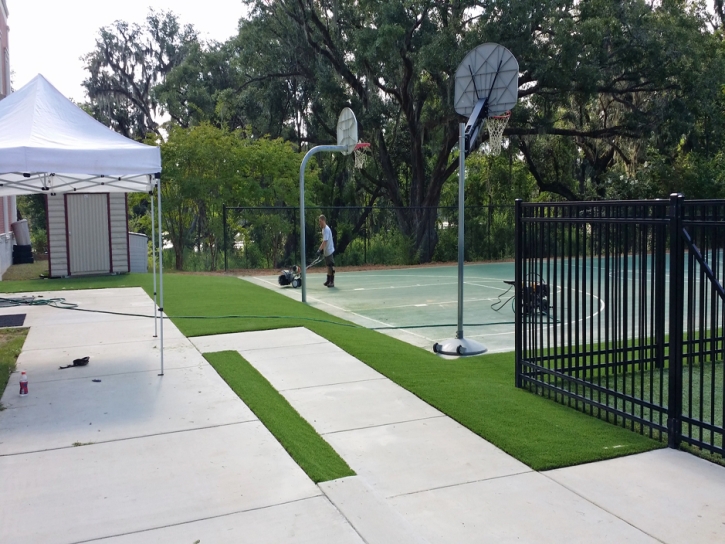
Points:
(621, 313)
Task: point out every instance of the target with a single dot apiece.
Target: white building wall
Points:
(6, 237)
(6, 251)
(87, 230)
(57, 247)
(119, 232)
(139, 250)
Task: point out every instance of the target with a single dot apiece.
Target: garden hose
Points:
(61, 304)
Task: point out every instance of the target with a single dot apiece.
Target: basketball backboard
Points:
(489, 70)
(347, 130)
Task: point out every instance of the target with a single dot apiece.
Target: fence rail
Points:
(268, 237)
(621, 313)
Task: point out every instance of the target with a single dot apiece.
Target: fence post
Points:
(296, 257)
(224, 224)
(518, 315)
(674, 401)
(660, 273)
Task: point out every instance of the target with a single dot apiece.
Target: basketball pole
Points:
(460, 346)
(461, 217)
(303, 249)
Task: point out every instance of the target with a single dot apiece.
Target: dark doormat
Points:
(12, 320)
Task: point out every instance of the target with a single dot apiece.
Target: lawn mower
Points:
(535, 294)
(292, 276)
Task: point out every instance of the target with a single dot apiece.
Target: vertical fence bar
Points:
(517, 295)
(660, 313)
(674, 410)
(224, 226)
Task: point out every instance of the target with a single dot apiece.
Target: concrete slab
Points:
(57, 414)
(672, 495)
(126, 300)
(293, 353)
(141, 356)
(308, 521)
(324, 367)
(103, 490)
(205, 469)
(420, 455)
(262, 340)
(121, 331)
(370, 514)
(300, 358)
(522, 508)
(358, 405)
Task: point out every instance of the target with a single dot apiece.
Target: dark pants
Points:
(330, 262)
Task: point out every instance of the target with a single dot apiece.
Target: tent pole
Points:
(161, 279)
(153, 260)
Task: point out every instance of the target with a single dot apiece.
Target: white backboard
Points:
(347, 130)
(476, 77)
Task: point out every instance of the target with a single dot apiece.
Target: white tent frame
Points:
(43, 135)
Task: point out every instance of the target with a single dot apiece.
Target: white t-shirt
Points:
(330, 245)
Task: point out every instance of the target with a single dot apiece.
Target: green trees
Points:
(129, 61)
(605, 86)
(206, 167)
(616, 98)
(617, 84)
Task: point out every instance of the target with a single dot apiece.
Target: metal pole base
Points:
(462, 347)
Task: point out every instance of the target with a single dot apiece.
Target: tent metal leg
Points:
(153, 260)
(161, 282)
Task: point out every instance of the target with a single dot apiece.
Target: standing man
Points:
(327, 248)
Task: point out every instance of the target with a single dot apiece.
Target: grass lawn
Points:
(11, 344)
(28, 271)
(305, 446)
(479, 393)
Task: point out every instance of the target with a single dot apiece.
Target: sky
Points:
(49, 36)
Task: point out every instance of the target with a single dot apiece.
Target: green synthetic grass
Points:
(315, 456)
(479, 392)
(11, 344)
(97, 282)
(27, 271)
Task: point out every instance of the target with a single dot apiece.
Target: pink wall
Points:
(8, 213)
(4, 48)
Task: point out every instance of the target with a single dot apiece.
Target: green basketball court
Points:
(420, 304)
(421, 301)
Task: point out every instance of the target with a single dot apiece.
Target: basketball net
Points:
(495, 126)
(360, 154)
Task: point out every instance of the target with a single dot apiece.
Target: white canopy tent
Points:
(48, 145)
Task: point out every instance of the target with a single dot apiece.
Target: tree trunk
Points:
(179, 254)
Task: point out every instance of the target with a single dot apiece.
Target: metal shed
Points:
(87, 234)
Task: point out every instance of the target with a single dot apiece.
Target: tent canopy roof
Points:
(47, 143)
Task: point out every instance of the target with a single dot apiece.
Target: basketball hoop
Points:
(361, 156)
(495, 126)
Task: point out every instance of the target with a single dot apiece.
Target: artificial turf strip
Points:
(478, 392)
(315, 456)
(11, 344)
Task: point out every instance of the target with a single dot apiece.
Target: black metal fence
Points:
(621, 310)
(268, 237)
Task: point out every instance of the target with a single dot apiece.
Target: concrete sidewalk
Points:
(114, 452)
(453, 487)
